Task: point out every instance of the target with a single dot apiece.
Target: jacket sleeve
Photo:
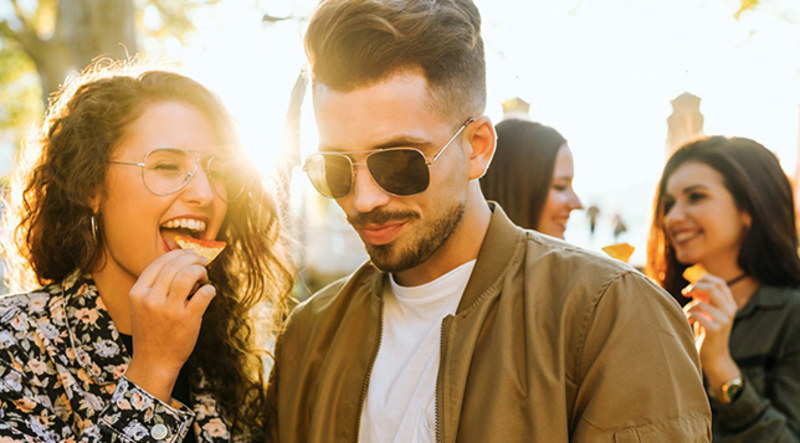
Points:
(34, 404)
(637, 371)
(130, 414)
(753, 417)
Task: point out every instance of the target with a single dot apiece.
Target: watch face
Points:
(731, 390)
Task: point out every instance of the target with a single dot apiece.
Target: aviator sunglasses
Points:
(400, 171)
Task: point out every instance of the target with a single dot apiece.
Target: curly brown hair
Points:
(48, 231)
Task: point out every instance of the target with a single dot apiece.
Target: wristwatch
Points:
(730, 390)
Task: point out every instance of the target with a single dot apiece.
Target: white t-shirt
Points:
(400, 405)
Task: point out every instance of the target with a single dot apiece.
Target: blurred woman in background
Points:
(726, 204)
(131, 338)
(531, 177)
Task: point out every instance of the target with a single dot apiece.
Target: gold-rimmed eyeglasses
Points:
(167, 170)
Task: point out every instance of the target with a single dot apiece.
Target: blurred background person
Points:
(592, 213)
(726, 204)
(531, 176)
(620, 227)
(130, 337)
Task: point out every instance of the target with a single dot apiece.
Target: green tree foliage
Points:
(43, 41)
(20, 93)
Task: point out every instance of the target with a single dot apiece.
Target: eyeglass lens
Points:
(167, 170)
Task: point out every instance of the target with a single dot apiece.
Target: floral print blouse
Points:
(62, 376)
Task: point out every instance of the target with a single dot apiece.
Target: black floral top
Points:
(62, 376)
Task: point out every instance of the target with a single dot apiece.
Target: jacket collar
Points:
(97, 349)
(766, 297)
(502, 243)
(94, 339)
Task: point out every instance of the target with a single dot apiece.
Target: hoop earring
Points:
(95, 229)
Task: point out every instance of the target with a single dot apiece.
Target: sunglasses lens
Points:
(330, 174)
(399, 171)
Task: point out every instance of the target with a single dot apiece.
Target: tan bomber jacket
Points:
(549, 343)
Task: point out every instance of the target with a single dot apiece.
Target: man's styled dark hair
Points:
(356, 43)
(521, 172)
(753, 176)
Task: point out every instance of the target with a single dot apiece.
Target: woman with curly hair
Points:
(131, 338)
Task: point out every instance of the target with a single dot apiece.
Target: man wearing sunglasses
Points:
(463, 327)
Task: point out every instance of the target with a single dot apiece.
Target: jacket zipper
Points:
(439, 395)
(365, 386)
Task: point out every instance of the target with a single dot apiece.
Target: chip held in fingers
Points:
(694, 273)
(620, 251)
(209, 249)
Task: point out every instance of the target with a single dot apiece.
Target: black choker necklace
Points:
(735, 280)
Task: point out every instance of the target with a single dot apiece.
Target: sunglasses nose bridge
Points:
(366, 193)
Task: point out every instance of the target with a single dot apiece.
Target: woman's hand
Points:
(165, 321)
(711, 313)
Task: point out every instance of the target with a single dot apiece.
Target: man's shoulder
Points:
(576, 262)
(569, 274)
(339, 294)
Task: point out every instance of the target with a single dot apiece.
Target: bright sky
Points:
(601, 72)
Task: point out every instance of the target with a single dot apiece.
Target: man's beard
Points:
(428, 239)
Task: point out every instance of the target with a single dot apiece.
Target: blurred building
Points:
(685, 123)
(516, 108)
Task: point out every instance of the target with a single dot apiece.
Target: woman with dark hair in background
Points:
(726, 204)
(131, 338)
(531, 177)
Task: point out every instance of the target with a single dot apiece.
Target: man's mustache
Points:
(379, 217)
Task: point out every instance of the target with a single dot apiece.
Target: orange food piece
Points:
(209, 249)
(621, 251)
(694, 273)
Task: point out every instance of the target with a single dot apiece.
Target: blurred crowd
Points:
(154, 281)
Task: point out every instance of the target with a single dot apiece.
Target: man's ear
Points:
(482, 138)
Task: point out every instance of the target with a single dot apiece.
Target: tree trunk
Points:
(85, 30)
(96, 28)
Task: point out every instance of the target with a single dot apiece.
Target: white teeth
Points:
(185, 223)
(683, 236)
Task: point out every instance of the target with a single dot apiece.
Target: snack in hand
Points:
(694, 273)
(621, 251)
(209, 249)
